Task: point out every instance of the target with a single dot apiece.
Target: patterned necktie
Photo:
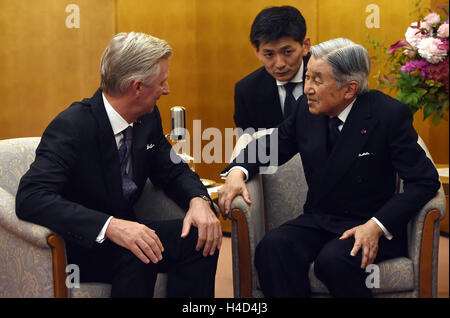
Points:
(128, 185)
(333, 132)
(289, 101)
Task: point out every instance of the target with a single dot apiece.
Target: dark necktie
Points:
(289, 101)
(128, 185)
(333, 132)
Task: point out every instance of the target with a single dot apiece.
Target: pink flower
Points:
(444, 45)
(439, 73)
(443, 31)
(398, 45)
(432, 18)
(416, 32)
(429, 49)
(419, 65)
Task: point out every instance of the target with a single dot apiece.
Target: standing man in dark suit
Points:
(353, 142)
(264, 98)
(91, 166)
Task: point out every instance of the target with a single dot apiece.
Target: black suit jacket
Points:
(74, 184)
(257, 102)
(357, 180)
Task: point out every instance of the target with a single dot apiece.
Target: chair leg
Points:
(245, 266)
(59, 266)
(426, 255)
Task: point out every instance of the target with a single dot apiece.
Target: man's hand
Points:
(203, 218)
(234, 185)
(138, 238)
(366, 237)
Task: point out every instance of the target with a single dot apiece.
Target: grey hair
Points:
(130, 57)
(349, 61)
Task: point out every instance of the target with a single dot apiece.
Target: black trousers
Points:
(190, 274)
(284, 255)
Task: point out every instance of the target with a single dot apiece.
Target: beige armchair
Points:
(279, 197)
(32, 257)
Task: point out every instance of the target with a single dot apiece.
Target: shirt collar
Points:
(344, 114)
(118, 124)
(298, 78)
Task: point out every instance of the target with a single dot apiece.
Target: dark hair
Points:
(275, 22)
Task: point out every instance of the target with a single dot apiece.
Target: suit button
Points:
(359, 179)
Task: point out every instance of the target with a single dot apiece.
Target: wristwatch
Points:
(204, 197)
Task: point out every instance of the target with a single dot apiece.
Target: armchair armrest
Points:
(248, 228)
(32, 233)
(423, 237)
(416, 225)
(254, 213)
(33, 249)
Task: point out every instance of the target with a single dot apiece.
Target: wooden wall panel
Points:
(44, 65)
(175, 22)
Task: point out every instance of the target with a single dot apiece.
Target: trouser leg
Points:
(342, 273)
(190, 274)
(283, 258)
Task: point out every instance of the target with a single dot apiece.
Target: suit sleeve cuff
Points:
(387, 234)
(101, 236)
(225, 174)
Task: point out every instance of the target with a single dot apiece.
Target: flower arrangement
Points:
(418, 66)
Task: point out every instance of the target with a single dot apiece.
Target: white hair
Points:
(129, 57)
(349, 61)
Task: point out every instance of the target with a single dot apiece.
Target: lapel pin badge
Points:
(363, 131)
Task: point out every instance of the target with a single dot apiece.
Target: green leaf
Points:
(436, 119)
(427, 111)
(422, 92)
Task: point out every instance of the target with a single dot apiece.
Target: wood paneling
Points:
(44, 65)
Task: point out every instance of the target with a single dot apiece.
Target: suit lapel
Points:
(355, 133)
(108, 151)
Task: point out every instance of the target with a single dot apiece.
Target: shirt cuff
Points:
(101, 236)
(387, 234)
(224, 175)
